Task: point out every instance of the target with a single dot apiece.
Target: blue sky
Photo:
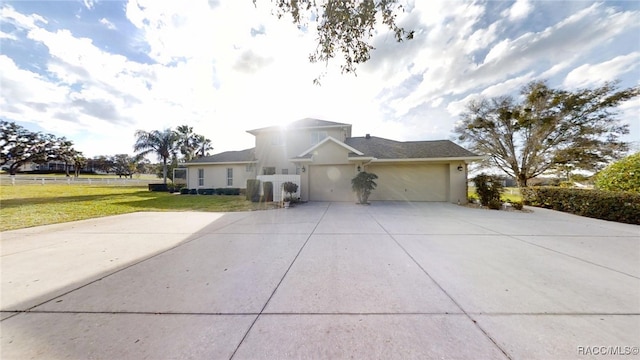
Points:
(97, 71)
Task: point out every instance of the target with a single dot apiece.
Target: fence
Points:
(278, 180)
(49, 180)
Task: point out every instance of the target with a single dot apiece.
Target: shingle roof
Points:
(227, 156)
(389, 149)
(302, 124)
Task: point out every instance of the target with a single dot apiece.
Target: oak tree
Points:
(547, 128)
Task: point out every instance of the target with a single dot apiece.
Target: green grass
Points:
(24, 206)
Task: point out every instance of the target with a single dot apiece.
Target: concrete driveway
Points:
(323, 280)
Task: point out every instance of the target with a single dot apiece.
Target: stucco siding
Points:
(215, 176)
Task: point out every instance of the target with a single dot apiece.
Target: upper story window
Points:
(317, 136)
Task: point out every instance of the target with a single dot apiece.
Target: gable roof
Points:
(242, 156)
(380, 148)
(306, 123)
(325, 140)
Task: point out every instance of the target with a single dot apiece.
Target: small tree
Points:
(363, 184)
(290, 188)
(489, 189)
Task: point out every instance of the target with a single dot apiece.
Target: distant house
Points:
(326, 157)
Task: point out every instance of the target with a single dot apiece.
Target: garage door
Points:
(331, 183)
(411, 182)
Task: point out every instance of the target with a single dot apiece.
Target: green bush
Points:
(518, 205)
(617, 206)
(253, 190)
(228, 191)
(290, 188)
(622, 175)
(193, 192)
(489, 188)
(184, 191)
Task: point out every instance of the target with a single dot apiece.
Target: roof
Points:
(327, 139)
(247, 155)
(380, 148)
(306, 123)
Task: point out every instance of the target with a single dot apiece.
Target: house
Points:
(324, 157)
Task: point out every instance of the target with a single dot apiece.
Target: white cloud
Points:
(108, 24)
(213, 73)
(610, 70)
(20, 20)
(519, 10)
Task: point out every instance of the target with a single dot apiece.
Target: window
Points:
(317, 136)
(200, 177)
(229, 176)
(269, 170)
(285, 171)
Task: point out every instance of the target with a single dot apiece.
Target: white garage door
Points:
(411, 182)
(331, 183)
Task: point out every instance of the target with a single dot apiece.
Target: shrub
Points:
(228, 191)
(290, 188)
(253, 190)
(184, 191)
(495, 204)
(268, 191)
(193, 192)
(622, 175)
(620, 206)
(518, 205)
(363, 184)
(489, 189)
(158, 187)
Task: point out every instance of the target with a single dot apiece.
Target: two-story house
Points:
(325, 157)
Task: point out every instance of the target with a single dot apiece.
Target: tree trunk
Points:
(522, 180)
(164, 170)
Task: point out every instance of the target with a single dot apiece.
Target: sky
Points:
(95, 71)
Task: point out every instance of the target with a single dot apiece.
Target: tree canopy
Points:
(345, 27)
(547, 128)
(19, 146)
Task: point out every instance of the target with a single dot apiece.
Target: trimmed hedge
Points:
(158, 187)
(617, 206)
(228, 191)
(206, 191)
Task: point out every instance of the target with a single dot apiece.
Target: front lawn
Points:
(24, 206)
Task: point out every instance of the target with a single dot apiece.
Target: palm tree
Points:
(187, 141)
(203, 145)
(162, 143)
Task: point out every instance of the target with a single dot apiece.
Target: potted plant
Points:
(289, 188)
(363, 184)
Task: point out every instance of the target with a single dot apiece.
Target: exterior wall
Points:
(457, 183)
(273, 153)
(215, 176)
